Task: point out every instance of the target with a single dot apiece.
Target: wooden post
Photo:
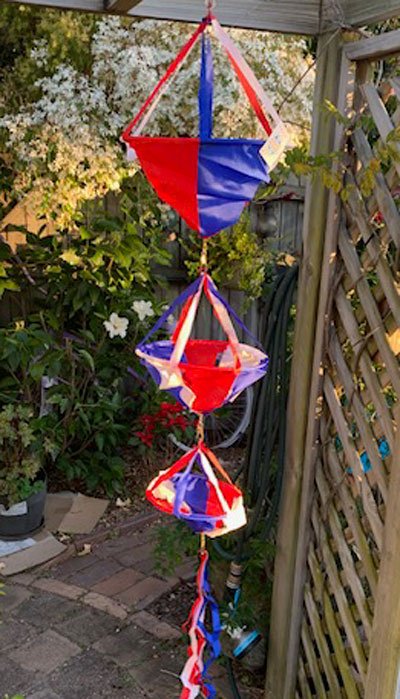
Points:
(282, 660)
(383, 679)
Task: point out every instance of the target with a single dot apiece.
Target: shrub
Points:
(20, 454)
(83, 301)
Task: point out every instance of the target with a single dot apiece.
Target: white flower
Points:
(116, 325)
(144, 309)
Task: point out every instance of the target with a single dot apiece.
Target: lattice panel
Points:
(357, 429)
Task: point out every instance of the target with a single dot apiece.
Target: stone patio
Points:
(83, 628)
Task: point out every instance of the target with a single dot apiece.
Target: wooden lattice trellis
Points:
(344, 622)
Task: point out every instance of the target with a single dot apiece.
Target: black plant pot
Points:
(21, 526)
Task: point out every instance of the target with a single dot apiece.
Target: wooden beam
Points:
(285, 16)
(359, 12)
(375, 47)
(121, 6)
(294, 520)
(383, 679)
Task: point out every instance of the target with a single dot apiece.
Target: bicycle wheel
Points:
(224, 427)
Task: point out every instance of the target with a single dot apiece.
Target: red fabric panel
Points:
(171, 165)
(211, 386)
(204, 352)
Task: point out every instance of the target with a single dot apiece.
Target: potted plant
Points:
(23, 484)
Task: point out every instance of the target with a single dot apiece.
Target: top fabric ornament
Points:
(208, 180)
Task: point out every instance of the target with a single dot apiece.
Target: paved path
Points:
(84, 629)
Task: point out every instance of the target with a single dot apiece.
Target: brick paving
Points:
(84, 628)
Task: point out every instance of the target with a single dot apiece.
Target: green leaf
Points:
(37, 370)
(88, 357)
(99, 439)
(71, 257)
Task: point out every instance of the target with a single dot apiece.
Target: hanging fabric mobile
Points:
(208, 180)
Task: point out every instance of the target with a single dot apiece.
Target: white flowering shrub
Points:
(65, 145)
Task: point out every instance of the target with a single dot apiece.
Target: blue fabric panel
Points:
(230, 171)
(196, 489)
(206, 89)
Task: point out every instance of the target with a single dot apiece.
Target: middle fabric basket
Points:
(202, 374)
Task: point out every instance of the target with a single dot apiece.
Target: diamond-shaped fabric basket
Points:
(202, 374)
(208, 180)
(191, 491)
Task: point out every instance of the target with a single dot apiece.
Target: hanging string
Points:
(341, 25)
(310, 67)
(203, 256)
(200, 429)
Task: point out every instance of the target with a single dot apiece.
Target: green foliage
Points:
(237, 258)
(23, 32)
(331, 168)
(20, 454)
(69, 287)
(176, 541)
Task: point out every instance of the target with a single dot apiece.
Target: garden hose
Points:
(232, 680)
(264, 464)
(268, 428)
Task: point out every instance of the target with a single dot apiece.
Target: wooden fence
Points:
(278, 221)
(336, 604)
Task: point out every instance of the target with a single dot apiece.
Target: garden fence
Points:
(279, 221)
(336, 625)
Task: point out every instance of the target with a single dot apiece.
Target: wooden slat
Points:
(358, 412)
(320, 639)
(355, 207)
(302, 677)
(78, 5)
(254, 14)
(359, 348)
(312, 661)
(353, 460)
(333, 629)
(372, 313)
(350, 512)
(285, 16)
(348, 622)
(121, 6)
(349, 569)
(384, 198)
(383, 673)
(378, 111)
(379, 45)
